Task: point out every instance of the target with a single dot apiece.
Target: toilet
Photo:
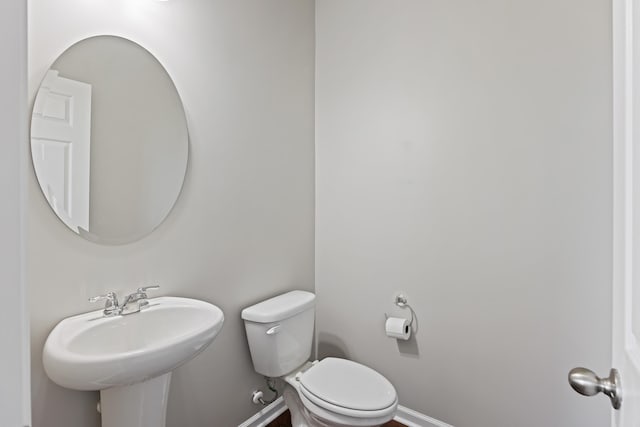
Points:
(329, 392)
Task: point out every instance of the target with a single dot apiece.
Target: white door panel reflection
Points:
(61, 145)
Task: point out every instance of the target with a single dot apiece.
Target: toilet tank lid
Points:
(279, 307)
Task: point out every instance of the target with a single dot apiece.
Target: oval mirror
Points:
(109, 140)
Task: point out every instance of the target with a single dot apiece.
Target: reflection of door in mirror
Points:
(61, 144)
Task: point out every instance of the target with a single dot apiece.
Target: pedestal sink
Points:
(130, 358)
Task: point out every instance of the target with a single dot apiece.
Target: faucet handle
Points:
(109, 296)
(144, 289)
(111, 303)
(141, 294)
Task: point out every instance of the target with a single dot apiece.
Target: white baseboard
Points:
(412, 418)
(266, 415)
(406, 416)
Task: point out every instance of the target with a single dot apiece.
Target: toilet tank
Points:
(280, 332)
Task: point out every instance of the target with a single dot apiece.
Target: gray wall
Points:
(242, 229)
(464, 157)
(14, 369)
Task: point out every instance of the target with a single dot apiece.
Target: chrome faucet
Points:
(112, 308)
(140, 297)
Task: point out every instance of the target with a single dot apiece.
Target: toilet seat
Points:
(355, 413)
(347, 387)
(340, 390)
(331, 418)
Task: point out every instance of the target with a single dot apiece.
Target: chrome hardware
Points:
(140, 297)
(274, 330)
(401, 301)
(111, 307)
(257, 396)
(587, 383)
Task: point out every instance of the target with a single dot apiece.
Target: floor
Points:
(284, 420)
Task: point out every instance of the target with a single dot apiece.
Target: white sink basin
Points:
(93, 352)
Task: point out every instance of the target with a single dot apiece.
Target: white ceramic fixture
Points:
(130, 358)
(332, 391)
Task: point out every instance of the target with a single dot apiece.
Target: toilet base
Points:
(299, 415)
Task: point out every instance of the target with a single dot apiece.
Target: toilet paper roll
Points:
(397, 327)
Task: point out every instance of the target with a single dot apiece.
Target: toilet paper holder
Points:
(402, 302)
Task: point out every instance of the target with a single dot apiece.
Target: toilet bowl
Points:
(329, 392)
(339, 392)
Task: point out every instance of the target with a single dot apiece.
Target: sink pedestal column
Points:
(138, 405)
